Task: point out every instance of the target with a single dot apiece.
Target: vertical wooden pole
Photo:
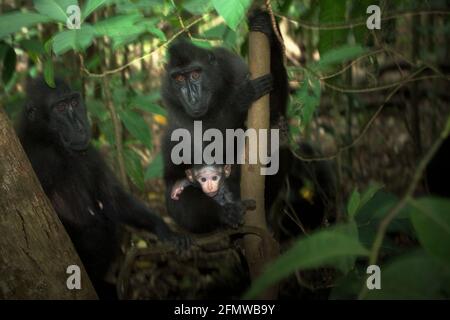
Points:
(258, 252)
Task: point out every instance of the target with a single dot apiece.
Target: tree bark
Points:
(259, 250)
(35, 250)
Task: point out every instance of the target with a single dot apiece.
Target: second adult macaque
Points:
(211, 179)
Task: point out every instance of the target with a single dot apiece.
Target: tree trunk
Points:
(35, 250)
(258, 250)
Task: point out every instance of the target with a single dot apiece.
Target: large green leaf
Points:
(332, 11)
(76, 39)
(353, 203)
(90, 6)
(320, 249)
(121, 29)
(33, 46)
(413, 276)
(222, 32)
(137, 126)
(309, 97)
(134, 168)
(338, 55)
(14, 21)
(357, 201)
(197, 6)
(153, 108)
(49, 73)
(117, 26)
(345, 263)
(370, 214)
(54, 9)
(155, 169)
(232, 11)
(97, 109)
(369, 194)
(431, 220)
(147, 103)
(156, 32)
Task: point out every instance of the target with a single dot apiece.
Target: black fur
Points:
(85, 194)
(226, 80)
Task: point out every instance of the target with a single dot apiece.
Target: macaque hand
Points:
(177, 189)
(233, 215)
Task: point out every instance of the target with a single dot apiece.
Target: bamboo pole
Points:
(258, 251)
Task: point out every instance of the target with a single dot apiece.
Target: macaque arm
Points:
(178, 188)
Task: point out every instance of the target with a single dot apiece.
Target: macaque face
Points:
(210, 179)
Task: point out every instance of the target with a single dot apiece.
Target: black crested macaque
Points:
(54, 131)
(211, 179)
(214, 86)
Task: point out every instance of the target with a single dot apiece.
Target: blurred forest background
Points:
(371, 104)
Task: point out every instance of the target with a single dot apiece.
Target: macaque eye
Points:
(74, 103)
(179, 78)
(203, 179)
(215, 178)
(195, 75)
(60, 107)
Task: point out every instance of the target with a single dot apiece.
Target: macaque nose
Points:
(209, 186)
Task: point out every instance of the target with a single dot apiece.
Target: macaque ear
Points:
(227, 170)
(190, 175)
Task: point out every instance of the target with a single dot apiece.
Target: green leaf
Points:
(106, 128)
(14, 21)
(317, 250)
(197, 6)
(91, 6)
(54, 9)
(97, 109)
(369, 216)
(202, 43)
(369, 193)
(121, 29)
(76, 39)
(353, 204)
(331, 11)
(9, 63)
(431, 220)
(357, 201)
(345, 263)
(157, 32)
(414, 276)
(232, 11)
(137, 126)
(309, 98)
(216, 32)
(49, 74)
(223, 33)
(339, 55)
(32, 46)
(146, 103)
(155, 169)
(48, 46)
(133, 168)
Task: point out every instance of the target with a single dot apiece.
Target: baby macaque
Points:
(211, 179)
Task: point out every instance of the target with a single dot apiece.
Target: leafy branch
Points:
(164, 45)
(407, 197)
(359, 22)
